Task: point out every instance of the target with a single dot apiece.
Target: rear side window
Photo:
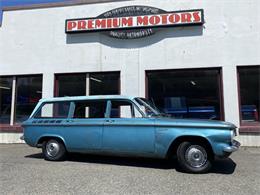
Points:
(90, 109)
(53, 110)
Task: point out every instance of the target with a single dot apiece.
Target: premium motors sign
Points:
(134, 21)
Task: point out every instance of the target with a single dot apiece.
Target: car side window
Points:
(90, 109)
(123, 109)
(53, 110)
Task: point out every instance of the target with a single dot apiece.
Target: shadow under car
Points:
(219, 166)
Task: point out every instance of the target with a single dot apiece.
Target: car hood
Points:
(194, 123)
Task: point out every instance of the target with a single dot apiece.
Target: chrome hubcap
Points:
(52, 148)
(196, 156)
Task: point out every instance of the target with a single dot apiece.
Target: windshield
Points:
(148, 107)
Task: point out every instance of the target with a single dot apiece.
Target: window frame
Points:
(73, 106)
(245, 127)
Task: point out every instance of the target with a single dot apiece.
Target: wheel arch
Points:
(191, 138)
(48, 137)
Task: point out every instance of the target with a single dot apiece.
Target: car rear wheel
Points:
(53, 150)
(194, 157)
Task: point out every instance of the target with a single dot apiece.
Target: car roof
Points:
(91, 97)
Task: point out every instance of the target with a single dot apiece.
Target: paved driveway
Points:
(23, 171)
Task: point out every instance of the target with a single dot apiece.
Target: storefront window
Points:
(75, 84)
(5, 99)
(249, 81)
(70, 85)
(186, 93)
(104, 84)
(29, 92)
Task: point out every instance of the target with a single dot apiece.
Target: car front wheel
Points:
(194, 157)
(53, 150)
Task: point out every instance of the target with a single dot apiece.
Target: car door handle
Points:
(69, 121)
(110, 121)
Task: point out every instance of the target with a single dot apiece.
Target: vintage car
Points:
(126, 126)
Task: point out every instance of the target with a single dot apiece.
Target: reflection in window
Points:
(249, 79)
(186, 93)
(123, 109)
(5, 99)
(29, 92)
(70, 85)
(104, 83)
(90, 109)
(53, 110)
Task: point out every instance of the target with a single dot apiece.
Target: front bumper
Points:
(234, 147)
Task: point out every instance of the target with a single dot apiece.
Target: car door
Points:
(126, 131)
(85, 126)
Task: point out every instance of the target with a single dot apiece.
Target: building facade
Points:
(208, 70)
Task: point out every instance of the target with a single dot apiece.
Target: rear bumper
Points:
(23, 138)
(234, 147)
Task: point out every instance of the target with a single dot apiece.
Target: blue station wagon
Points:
(126, 126)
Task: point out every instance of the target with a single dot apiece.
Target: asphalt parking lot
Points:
(23, 171)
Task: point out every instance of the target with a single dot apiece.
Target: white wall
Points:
(249, 140)
(33, 41)
(13, 138)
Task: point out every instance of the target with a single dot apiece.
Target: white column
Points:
(87, 93)
(48, 85)
(230, 90)
(87, 85)
(130, 74)
(13, 101)
(142, 77)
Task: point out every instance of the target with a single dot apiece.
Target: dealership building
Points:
(193, 59)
